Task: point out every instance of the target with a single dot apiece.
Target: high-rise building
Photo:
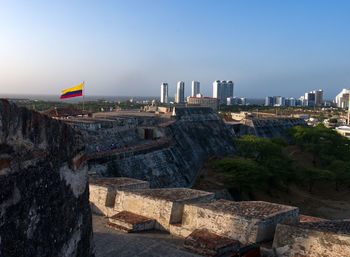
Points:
(269, 101)
(164, 93)
(180, 92)
(342, 98)
(230, 88)
(195, 88)
(318, 97)
(222, 90)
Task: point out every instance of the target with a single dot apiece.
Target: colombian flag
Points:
(72, 92)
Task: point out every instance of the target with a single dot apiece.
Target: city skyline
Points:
(122, 49)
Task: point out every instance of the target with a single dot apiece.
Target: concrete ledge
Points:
(326, 238)
(247, 222)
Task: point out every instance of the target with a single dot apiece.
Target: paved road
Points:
(111, 243)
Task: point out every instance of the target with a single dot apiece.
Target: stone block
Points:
(103, 192)
(247, 222)
(209, 244)
(164, 205)
(131, 222)
(325, 238)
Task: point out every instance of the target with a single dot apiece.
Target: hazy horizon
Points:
(128, 48)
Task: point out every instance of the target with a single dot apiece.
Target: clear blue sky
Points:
(129, 47)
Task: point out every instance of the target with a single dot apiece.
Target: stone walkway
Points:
(111, 243)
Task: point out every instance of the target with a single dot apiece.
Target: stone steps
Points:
(206, 243)
(130, 222)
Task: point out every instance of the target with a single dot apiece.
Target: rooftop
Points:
(335, 226)
(171, 194)
(114, 182)
(251, 209)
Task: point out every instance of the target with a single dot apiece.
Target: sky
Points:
(127, 48)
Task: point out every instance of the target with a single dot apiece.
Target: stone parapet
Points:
(103, 192)
(247, 222)
(326, 238)
(164, 205)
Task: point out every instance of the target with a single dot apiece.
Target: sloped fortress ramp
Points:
(104, 190)
(247, 222)
(325, 238)
(165, 205)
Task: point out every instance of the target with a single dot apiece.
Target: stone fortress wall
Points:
(234, 226)
(44, 192)
(179, 144)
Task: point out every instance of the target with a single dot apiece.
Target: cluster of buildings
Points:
(222, 94)
(313, 98)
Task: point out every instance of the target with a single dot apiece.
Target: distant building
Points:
(236, 101)
(204, 101)
(275, 101)
(318, 97)
(342, 99)
(195, 88)
(180, 92)
(313, 98)
(222, 90)
(269, 101)
(164, 93)
(290, 101)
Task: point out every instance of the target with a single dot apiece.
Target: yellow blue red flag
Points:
(72, 92)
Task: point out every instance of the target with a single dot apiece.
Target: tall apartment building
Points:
(313, 98)
(222, 90)
(318, 97)
(164, 93)
(342, 99)
(195, 88)
(180, 92)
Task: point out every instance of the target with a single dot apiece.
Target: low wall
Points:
(327, 238)
(163, 205)
(247, 222)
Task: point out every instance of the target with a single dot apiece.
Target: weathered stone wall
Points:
(196, 134)
(318, 239)
(44, 193)
(163, 205)
(247, 222)
(103, 192)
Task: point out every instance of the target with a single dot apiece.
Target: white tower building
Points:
(195, 88)
(164, 93)
(180, 93)
(222, 90)
(217, 89)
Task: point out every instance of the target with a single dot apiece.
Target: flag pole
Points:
(83, 96)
